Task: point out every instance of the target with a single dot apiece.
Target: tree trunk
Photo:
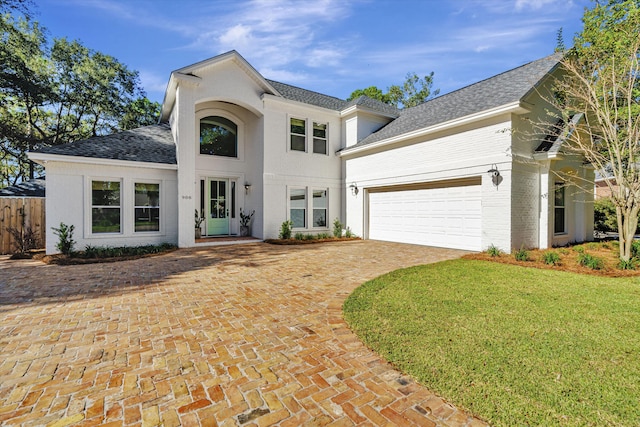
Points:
(627, 224)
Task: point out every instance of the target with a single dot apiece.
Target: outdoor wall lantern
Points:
(247, 186)
(354, 188)
(495, 175)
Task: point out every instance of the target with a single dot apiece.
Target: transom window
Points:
(147, 207)
(218, 137)
(298, 207)
(319, 138)
(319, 208)
(298, 134)
(559, 225)
(105, 207)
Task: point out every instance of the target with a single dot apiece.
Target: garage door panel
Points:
(447, 217)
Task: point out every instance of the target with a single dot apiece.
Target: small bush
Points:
(298, 236)
(337, 228)
(65, 238)
(324, 236)
(635, 248)
(627, 265)
(551, 258)
(592, 246)
(310, 237)
(348, 233)
(521, 255)
(563, 251)
(604, 213)
(23, 241)
(494, 251)
(590, 261)
(97, 252)
(285, 230)
(579, 249)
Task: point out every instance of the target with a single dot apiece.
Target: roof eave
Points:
(44, 158)
(354, 109)
(517, 107)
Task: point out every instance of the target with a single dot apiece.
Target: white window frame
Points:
(326, 138)
(560, 186)
(206, 112)
(91, 206)
(159, 206)
(306, 207)
(313, 208)
(290, 134)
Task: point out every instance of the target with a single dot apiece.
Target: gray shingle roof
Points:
(505, 88)
(373, 104)
(152, 144)
(31, 188)
(294, 93)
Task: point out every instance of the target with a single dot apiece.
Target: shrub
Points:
(551, 258)
(604, 215)
(285, 230)
(310, 237)
(493, 251)
(521, 255)
(348, 233)
(627, 265)
(94, 252)
(324, 236)
(299, 236)
(337, 228)
(579, 249)
(635, 249)
(65, 238)
(590, 261)
(23, 240)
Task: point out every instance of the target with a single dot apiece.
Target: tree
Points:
(414, 91)
(599, 81)
(140, 112)
(52, 94)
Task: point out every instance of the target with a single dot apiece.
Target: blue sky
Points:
(330, 46)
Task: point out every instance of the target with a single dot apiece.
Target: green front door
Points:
(218, 215)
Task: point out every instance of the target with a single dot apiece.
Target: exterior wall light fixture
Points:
(354, 189)
(247, 186)
(494, 173)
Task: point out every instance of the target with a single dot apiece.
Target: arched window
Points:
(218, 137)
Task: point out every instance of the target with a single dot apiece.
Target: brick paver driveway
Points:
(235, 335)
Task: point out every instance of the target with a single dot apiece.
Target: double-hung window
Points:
(319, 208)
(559, 209)
(298, 134)
(320, 138)
(298, 207)
(147, 207)
(106, 207)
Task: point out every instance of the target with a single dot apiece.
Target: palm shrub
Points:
(285, 229)
(65, 238)
(337, 228)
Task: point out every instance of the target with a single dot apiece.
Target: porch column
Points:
(186, 138)
(544, 237)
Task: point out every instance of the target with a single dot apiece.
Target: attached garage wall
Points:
(445, 214)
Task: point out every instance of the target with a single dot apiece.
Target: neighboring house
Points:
(30, 188)
(456, 171)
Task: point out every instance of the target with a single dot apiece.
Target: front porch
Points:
(225, 240)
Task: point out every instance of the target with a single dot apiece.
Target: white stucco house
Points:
(459, 171)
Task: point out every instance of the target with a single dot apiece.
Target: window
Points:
(218, 137)
(298, 135)
(319, 138)
(147, 207)
(298, 208)
(559, 209)
(319, 208)
(105, 206)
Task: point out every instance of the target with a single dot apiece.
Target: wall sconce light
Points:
(495, 175)
(354, 189)
(247, 186)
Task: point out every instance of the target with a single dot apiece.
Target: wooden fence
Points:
(12, 209)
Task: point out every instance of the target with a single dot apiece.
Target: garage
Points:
(444, 214)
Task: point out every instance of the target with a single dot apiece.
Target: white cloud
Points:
(535, 4)
(152, 82)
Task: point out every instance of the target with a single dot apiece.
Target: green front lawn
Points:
(512, 345)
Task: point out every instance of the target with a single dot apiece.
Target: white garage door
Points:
(444, 216)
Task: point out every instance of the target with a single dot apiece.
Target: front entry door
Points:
(218, 215)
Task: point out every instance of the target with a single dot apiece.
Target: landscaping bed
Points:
(309, 241)
(94, 255)
(568, 259)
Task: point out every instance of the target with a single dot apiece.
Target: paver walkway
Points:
(248, 335)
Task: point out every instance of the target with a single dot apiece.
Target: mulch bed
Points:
(607, 251)
(60, 259)
(305, 242)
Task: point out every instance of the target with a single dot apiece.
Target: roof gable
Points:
(150, 144)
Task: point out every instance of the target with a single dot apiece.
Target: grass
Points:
(513, 345)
